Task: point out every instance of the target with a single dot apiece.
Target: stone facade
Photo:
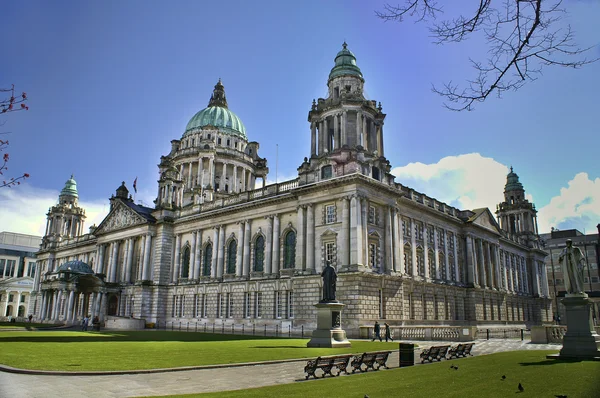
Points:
(217, 249)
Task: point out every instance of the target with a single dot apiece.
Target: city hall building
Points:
(221, 247)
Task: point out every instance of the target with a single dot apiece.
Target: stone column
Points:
(44, 304)
(364, 242)
(115, 260)
(326, 135)
(310, 238)
(197, 255)
(211, 172)
(397, 240)
(176, 259)
(276, 232)
(300, 251)
(269, 245)
(336, 132)
(146, 263)
(345, 232)
(130, 249)
(481, 258)
(192, 265)
(244, 187)
(69, 312)
(313, 137)
(365, 133)
(234, 184)
(354, 226)
(240, 250)
(436, 253)
(490, 266)
(246, 248)
(213, 271)
(344, 139)
(414, 265)
(525, 275)
(426, 249)
(389, 241)
(359, 134)
(471, 265)
(220, 255)
(199, 175)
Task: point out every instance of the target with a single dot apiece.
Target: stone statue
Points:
(329, 283)
(571, 261)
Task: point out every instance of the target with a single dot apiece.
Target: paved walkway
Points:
(196, 381)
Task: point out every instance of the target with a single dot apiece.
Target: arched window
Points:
(231, 256)
(289, 250)
(185, 263)
(431, 264)
(207, 260)
(259, 254)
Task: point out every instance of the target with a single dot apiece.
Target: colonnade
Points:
(517, 222)
(69, 305)
(244, 256)
(368, 133)
(121, 269)
(69, 225)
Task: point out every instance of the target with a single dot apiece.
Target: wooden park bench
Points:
(370, 360)
(435, 353)
(327, 364)
(460, 350)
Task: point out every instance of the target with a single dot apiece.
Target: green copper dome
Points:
(345, 64)
(70, 188)
(512, 182)
(217, 114)
(76, 267)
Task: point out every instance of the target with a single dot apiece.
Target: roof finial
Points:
(511, 169)
(344, 45)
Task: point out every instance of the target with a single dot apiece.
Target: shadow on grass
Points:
(92, 337)
(547, 362)
(278, 346)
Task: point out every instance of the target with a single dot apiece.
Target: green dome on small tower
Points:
(512, 182)
(70, 188)
(345, 64)
(218, 115)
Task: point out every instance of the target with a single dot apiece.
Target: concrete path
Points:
(196, 381)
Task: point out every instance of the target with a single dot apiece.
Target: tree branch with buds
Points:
(523, 37)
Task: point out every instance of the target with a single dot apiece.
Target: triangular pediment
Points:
(484, 218)
(120, 217)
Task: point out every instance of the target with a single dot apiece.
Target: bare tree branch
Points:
(10, 104)
(523, 36)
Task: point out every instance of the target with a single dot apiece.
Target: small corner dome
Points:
(75, 267)
(217, 114)
(512, 182)
(345, 64)
(70, 188)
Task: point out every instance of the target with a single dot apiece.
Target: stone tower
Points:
(64, 220)
(516, 215)
(346, 128)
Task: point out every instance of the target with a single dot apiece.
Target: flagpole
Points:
(276, 161)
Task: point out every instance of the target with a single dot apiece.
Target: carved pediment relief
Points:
(120, 217)
(486, 220)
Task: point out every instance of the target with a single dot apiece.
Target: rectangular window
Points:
(22, 298)
(290, 302)
(247, 305)
(372, 255)
(182, 306)
(258, 304)
(381, 315)
(196, 307)
(10, 268)
(229, 306)
(174, 306)
(11, 298)
(2, 267)
(219, 305)
(204, 306)
(594, 279)
(330, 214)
(278, 305)
(329, 251)
(31, 269)
(372, 215)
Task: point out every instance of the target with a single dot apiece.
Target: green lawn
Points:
(478, 376)
(23, 325)
(71, 350)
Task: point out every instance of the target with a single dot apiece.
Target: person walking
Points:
(388, 333)
(377, 331)
(84, 323)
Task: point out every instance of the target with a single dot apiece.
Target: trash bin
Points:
(407, 354)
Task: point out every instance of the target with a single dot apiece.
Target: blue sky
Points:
(111, 83)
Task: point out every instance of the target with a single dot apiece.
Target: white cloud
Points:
(467, 181)
(577, 206)
(23, 209)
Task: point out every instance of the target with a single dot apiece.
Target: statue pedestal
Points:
(329, 332)
(581, 340)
